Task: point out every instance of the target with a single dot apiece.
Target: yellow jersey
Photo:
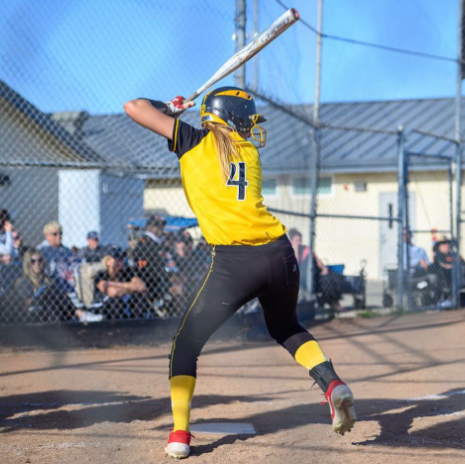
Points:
(229, 212)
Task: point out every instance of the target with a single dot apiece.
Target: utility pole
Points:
(255, 33)
(316, 143)
(457, 268)
(240, 22)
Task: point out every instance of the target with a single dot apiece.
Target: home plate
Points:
(224, 428)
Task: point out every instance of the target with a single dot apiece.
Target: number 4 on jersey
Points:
(241, 183)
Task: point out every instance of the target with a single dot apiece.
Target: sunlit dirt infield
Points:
(111, 405)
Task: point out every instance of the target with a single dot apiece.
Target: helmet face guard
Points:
(235, 108)
(258, 133)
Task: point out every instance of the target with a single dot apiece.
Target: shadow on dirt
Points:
(57, 410)
(394, 424)
(51, 410)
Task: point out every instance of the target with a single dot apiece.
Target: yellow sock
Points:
(182, 389)
(310, 355)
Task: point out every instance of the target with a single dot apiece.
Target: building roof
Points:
(11, 151)
(289, 144)
(367, 151)
(115, 140)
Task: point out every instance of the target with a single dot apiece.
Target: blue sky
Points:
(96, 54)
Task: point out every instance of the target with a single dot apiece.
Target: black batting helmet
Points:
(235, 108)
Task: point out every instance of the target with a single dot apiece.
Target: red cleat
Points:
(341, 403)
(178, 444)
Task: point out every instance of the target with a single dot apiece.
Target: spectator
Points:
(132, 244)
(442, 269)
(93, 252)
(6, 237)
(301, 252)
(60, 259)
(328, 284)
(155, 264)
(203, 246)
(121, 289)
(40, 297)
(189, 268)
(155, 228)
(18, 250)
(12, 267)
(18, 246)
(419, 261)
(191, 263)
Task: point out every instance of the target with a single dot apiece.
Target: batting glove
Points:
(177, 106)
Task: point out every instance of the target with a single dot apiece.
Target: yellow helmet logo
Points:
(235, 93)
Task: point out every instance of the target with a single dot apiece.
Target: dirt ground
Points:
(112, 405)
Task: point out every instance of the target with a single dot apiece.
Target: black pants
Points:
(238, 274)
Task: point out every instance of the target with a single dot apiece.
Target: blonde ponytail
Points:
(228, 149)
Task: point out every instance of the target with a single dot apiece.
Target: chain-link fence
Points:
(363, 204)
(94, 221)
(95, 224)
(429, 195)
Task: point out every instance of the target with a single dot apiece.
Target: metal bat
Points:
(285, 21)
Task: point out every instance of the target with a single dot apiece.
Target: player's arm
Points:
(155, 115)
(135, 285)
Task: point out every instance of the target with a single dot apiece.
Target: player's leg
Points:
(218, 298)
(280, 308)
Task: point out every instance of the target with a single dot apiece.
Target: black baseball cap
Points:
(116, 253)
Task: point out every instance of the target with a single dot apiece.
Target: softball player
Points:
(251, 254)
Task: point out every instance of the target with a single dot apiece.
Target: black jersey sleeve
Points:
(185, 137)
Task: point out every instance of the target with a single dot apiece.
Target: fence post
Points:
(458, 211)
(400, 218)
(240, 38)
(456, 268)
(313, 212)
(453, 249)
(315, 167)
(408, 234)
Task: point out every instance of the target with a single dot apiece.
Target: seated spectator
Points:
(203, 253)
(18, 246)
(85, 282)
(121, 290)
(442, 269)
(60, 259)
(155, 266)
(93, 252)
(39, 298)
(12, 267)
(17, 251)
(419, 261)
(6, 237)
(132, 243)
(301, 253)
(191, 263)
(202, 245)
(327, 283)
